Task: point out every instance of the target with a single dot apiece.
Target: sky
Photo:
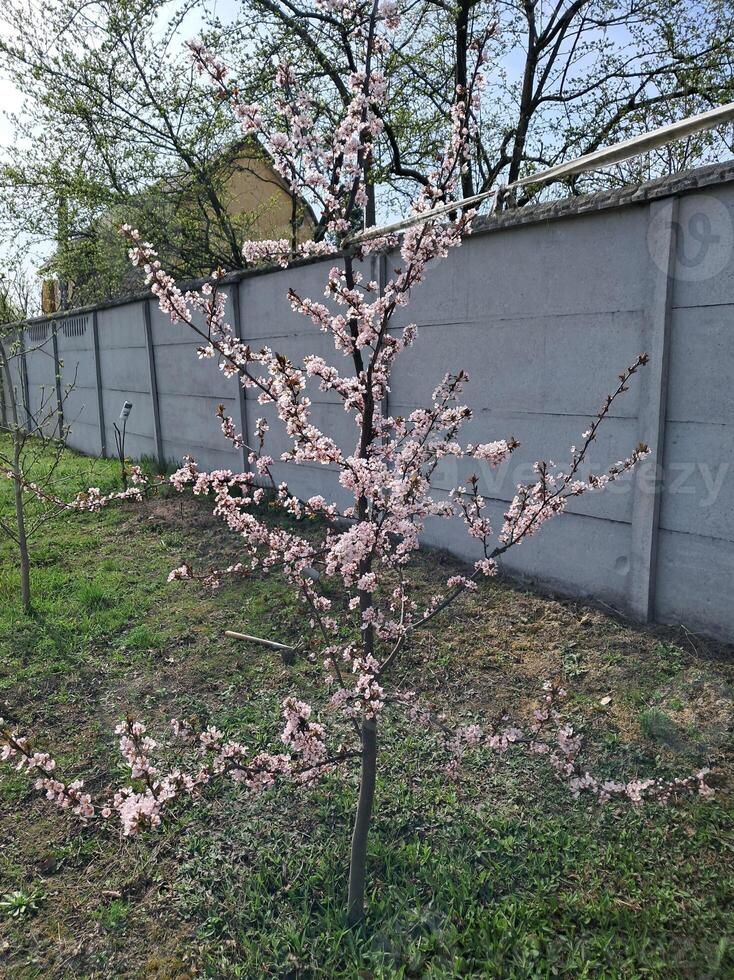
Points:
(10, 101)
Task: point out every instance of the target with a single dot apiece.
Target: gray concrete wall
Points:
(543, 308)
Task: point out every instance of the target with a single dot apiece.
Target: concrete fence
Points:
(543, 308)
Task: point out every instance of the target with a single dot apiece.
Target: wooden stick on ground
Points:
(289, 653)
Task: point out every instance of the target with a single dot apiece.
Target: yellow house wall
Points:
(255, 186)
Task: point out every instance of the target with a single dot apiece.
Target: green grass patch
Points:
(501, 874)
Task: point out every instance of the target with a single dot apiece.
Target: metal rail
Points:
(616, 153)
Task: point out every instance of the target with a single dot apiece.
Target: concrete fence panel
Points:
(543, 308)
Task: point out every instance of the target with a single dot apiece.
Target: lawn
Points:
(498, 874)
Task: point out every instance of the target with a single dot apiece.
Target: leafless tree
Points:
(31, 453)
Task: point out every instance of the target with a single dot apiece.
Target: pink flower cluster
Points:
(367, 697)
(92, 499)
(562, 746)
(281, 252)
(69, 797)
(141, 805)
(301, 735)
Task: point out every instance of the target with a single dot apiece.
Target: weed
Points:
(20, 903)
(659, 727)
(93, 596)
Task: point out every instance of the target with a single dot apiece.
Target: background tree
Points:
(566, 78)
(35, 423)
(113, 127)
(18, 293)
(597, 72)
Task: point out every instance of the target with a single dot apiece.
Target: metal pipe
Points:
(369, 233)
(616, 153)
(633, 146)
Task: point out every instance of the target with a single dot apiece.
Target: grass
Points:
(501, 874)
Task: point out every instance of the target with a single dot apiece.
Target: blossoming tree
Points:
(386, 477)
(388, 473)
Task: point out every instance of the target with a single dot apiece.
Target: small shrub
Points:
(142, 637)
(672, 657)
(114, 916)
(18, 903)
(659, 727)
(93, 596)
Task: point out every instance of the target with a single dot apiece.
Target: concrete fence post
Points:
(241, 392)
(648, 481)
(57, 380)
(98, 386)
(153, 383)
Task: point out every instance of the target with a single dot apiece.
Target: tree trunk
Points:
(527, 97)
(358, 861)
(461, 80)
(370, 213)
(17, 435)
(25, 561)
